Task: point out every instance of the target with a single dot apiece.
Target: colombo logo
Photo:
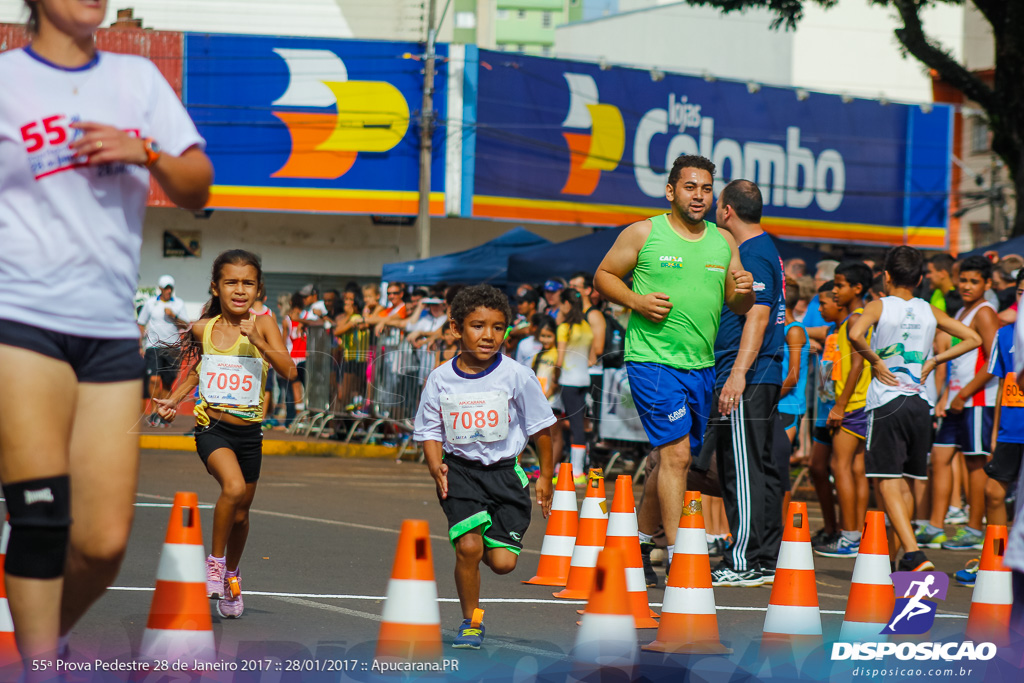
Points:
(598, 150)
(371, 116)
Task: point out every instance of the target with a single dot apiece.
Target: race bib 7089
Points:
(479, 416)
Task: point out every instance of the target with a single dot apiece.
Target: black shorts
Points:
(899, 437)
(1005, 463)
(496, 497)
(822, 435)
(245, 441)
(163, 363)
(791, 421)
(782, 447)
(95, 361)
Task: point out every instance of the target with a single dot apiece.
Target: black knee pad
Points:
(40, 511)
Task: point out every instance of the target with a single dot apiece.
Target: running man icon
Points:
(916, 588)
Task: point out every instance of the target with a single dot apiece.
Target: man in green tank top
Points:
(684, 269)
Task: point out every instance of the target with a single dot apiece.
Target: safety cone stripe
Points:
(181, 606)
(635, 581)
(993, 588)
(623, 524)
(872, 569)
(585, 556)
(557, 546)
(411, 602)
(5, 538)
(870, 602)
(178, 645)
(695, 570)
(564, 501)
(691, 541)
(988, 619)
(182, 562)
(413, 641)
(688, 600)
(792, 620)
(606, 627)
(862, 631)
(795, 555)
(6, 623)
(794, 587)
(591, 508)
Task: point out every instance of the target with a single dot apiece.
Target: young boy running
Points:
(970, 399)
(476, 415)
(899, 409)
(847, 417)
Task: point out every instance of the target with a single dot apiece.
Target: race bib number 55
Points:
(231, 380)
(480, 416)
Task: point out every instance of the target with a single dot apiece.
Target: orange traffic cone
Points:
(179, 626)
(989, 618)
(872, 597)
(8, 648)
(622, 534)
(560, 536)
(689, 620)
(606, 646)
(589, 541)
(793, 620)
(410, 627)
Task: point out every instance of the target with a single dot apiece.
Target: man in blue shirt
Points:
(748, 368)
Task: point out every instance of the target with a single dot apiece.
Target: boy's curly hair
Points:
(471, 298)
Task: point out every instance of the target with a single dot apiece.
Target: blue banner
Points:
(571, 142)
(313, 124)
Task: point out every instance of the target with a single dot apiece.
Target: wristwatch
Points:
(153, 150)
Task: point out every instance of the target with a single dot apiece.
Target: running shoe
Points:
(723, 575)
(769, 575)
(579, 480)
(964, 540)
(713, 547)
(927, 539)
(967, 575)
(823, 538)
(841, 547)
(956, 516)
(915, 562)
(214, 577)
(471, 633)
(649, 575)
(230, 606)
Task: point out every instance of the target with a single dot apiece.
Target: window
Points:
(521, 14)
(979, 135)
(465, 20)
(502, 14)
(545, 20)
(546, 50)
(521, 47)
(502, 47)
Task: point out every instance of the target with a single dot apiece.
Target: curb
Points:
(170, 442)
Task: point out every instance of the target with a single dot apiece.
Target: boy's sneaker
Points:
(915, 562)
(956, 516)
(967, 575)
(723, 575)
(214, 578)
(840, 547)
(231, 606)
(471, 633)
(927, 539)
(649, 575)
(822, 537)
(964, 540)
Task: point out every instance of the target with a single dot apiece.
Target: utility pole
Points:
(426, 136)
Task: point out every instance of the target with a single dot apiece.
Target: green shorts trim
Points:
(482, 518)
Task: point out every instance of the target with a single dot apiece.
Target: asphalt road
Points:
(316, 568)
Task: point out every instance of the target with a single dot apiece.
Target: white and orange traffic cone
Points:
(872, 597)
(689, 620)
(560, 536)
(589, 540)
(8, 647)
(606, 645)
(793, 620)
(179, 626)
(622, 534)
(989, 617)
(410, 627)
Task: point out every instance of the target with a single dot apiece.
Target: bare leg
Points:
(223, 465)
(648, 517)
(862, 487)
(819, 471)
(844, 451)
(469, 551)
(960, 481)
(977, 480)
(898, 503)
(995, 502)
(942, 483)
(717, 522)
(500, 560)
(673, 469)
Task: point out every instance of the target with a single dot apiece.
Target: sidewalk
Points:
(275, 442)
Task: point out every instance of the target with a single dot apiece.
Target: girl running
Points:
(81, 134)
(236, 346)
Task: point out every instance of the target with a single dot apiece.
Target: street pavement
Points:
(315, 571)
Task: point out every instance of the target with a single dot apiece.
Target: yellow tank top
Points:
(227, 379)
(841, 370)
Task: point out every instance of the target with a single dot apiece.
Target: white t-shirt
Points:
(527, 349)
(69, 232)
(527, 408)
(160, 328)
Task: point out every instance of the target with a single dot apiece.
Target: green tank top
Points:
(692, 274)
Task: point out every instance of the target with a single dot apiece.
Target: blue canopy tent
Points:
(1014, 245)
(585, 254)
(485, 263)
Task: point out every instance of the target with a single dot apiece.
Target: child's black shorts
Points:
(495, 496)
(899, 436)
(246, 441)
(1005, 463)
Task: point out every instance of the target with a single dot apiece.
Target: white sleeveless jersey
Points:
(903, 338)
(963, 369)
(70, 233)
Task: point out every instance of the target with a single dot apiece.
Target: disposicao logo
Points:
(370, 116)
(915, 612)
(598, 150)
